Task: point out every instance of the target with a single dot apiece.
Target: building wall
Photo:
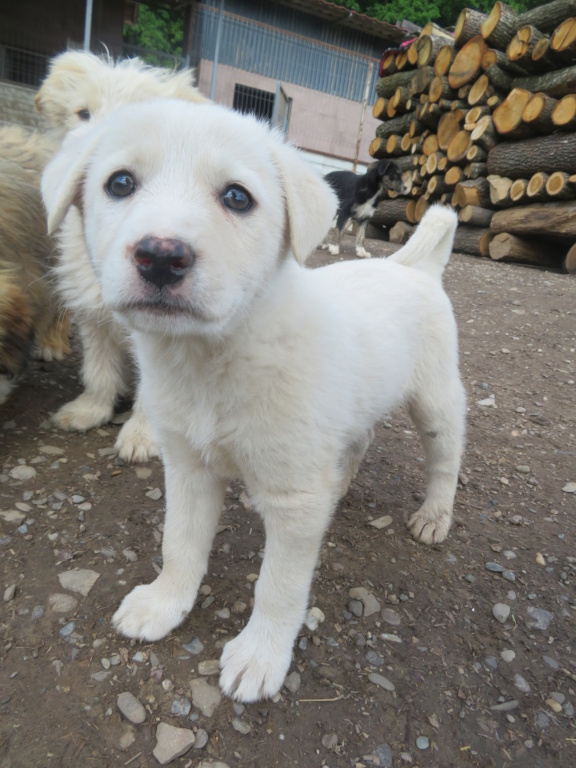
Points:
(319, 123)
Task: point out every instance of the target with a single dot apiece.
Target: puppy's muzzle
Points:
(163, 261)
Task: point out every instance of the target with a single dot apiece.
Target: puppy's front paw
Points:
(363, 253)
(334, 249)
(255, 663)
(83, 413)
(150, 612)
(136, 441)
(430, 525)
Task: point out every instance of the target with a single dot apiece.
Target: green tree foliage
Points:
(158, 29)
(443, 12)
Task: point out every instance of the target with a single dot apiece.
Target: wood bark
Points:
(390, 211)
(558, 219)
(547, 17)
(569, 264)
(508, 247)
(499, 190)
(475, 216)
(400, 232)
(557, 83)
(519, 159)
(564, 113)
(485, 134)
(475, 170)
(467, 63)
(397, 125)
(500, 26)
(386, 86)
(469, 240)
(536, 189)
(468, 25)
(473, 192)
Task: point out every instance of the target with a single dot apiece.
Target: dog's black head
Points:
(390, 175)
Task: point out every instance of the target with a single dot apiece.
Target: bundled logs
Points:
(485, 120)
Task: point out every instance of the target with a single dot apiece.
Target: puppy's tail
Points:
(430, 246)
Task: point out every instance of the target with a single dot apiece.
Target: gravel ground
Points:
(455, 655)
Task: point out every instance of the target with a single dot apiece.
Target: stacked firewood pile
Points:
(485, 120)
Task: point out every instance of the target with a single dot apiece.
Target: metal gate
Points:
(281, 111)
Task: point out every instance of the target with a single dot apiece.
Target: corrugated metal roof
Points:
(339, 14)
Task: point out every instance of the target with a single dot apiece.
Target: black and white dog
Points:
(358, 196)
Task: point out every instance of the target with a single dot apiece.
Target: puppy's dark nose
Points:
(162, 261)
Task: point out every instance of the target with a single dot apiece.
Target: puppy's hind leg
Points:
(352, 460)
(340, 227)
(438, 412)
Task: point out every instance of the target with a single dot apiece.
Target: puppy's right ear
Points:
(63, 177)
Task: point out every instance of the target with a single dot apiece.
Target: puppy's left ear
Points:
(63, 176)
(383, 166)
(310, 201)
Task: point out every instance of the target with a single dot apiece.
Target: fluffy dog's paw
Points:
(430, 526)
(334, 249)
(254, 664)
(150, 612)
(136, 441)
(363, 253)
(83, 413)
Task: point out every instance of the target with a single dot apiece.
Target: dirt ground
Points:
(430, 678)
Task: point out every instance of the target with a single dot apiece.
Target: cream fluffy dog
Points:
(79, 90)
(197, 221)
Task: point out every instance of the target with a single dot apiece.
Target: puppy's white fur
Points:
(81, 89)
(254, 366)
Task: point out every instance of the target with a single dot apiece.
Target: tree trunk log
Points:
(558, 219)
(493, 56)
(421, 79)
(453, 176)
(500, 26)
(549, 153)
(444, 60)
(467, 63)
(564, 113)
(569, 264)
(396, 125)
(475, 170)
(518, 190)
(386, 86)
(448, 127)
(476, 154)
(468, 25)
(499, 190)
(468, 240)
(400, 233)
(473, 192)
(485, 134)
(458, 148)
(480, 91)
(559, 187)
(558, 83)
(538, 113)
(475, 216)
(563, 40)
(508, 247)
(536, 189)
(547, 17)
(379, 108)
(508, 116)
(389, 212)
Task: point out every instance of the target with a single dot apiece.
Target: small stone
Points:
(223, 613)
(423, 743)
(501, 612)
(509, 575)
(356, 608)
(522, 684)
(554, 705)
(391, 616)
(99, 677)
(541, 618)
(126, 740)
(9, 593)
(181, 707)
(314, 618)
(241, 726)
(130, 555)
(195, 646)
(370, 603)
(67, 629)
(374, 659)
(209, 667)
(155, 494)
(12, 515)
(523, 469)
(381, 681)
(205, 697)
(495, 567)
(330, 740)
(508, 656)
(381, 522)
(516, 520)
(293, 682)
(131, 708)
(171, 742)
(506, 706)
(139, 657)
(568, 488)
(22, 472)
(167, 685)
(540, 559)
(80, 580)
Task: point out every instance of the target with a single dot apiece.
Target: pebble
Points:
(212, 764)
(314, 618)
(209, 667)
(241, 726)
(131, 708)
(205, 697)
(522, 684)
(381, 681)
(506, 706)
(423, 742)
(370, 603)
(201, 739)
(67, 629)
(195, 646)
(181, 707)
(9, 593)
(381, 756)
(501, 611)
(381, 522)
(81, 580)
(374, 659)
(330, 740)
(155, 494)
(12, 515)
(569, 488)
(223, 613)
(130, 555)
(541, 618)
(293, 682)
(495, 567)
(22, 472)
(171, 742)
(126, 740)
(356, 608)
(554, 705)
(508, 655)
(62, 603)
(391, 616)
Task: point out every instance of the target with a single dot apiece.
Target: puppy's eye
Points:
(84, 114)
(121, 184)
(237, 199)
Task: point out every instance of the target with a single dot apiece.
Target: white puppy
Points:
(79, 90)
(197, 221)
